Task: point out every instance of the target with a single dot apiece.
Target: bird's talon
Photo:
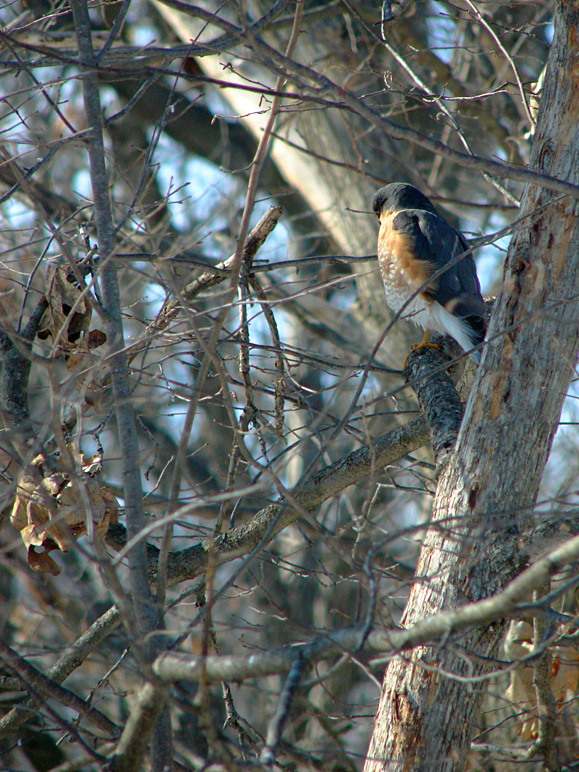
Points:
(424, 343)
(418, 346)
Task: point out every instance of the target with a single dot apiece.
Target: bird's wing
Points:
(434, 243)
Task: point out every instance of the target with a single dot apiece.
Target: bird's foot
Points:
(417, 347)
(425, 342)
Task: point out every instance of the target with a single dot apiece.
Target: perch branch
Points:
(438, 399)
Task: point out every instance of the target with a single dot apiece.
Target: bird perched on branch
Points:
(424, 275)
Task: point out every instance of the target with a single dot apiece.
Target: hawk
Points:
(414, 243)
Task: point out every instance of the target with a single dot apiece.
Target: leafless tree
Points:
(238, 531)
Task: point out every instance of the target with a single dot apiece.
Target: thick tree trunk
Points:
(426, 716)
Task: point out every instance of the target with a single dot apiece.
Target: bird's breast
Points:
(404, 276)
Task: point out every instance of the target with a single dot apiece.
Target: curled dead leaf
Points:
(67, 320)
(41, 561)
(69, 313)
(51, 510)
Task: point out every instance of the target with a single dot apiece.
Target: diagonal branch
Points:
(439, 626)
(309, 79)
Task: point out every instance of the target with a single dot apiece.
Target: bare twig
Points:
(301, 75)
(396, 131)
(50, 689)
(15, 371)
(255, 240)
(279, 360)
(142, 597)
(72, 658)
(210, 278)
(441, 625)
(276, 725)
(480, 18)
(146, 613)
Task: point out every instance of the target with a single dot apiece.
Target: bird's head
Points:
(400, 195)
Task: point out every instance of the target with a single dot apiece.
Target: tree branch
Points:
(440, 626)
(143, 600)
(438, 399)
(130, 751)
(300, 74)
(14, 374)
(36, 680)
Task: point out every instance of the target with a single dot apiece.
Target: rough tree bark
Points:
(426, 717)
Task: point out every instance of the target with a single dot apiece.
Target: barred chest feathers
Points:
(422, 309)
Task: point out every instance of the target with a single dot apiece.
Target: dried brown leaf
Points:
(51, 510)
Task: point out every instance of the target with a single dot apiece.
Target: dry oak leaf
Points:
(51, 510)
(67, 320)
(69, 313)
